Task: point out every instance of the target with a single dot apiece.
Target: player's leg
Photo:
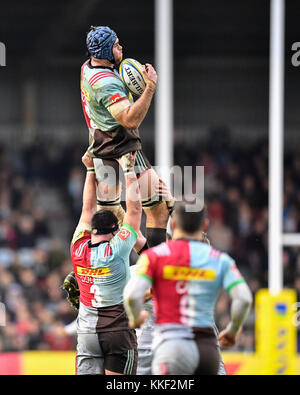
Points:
(222, 369)
(176, 356)
(145, 357)
(89, 355)
(208, 350)
(120, 352)
(109, 194)
(157, 213)
(144, 340)
(108, 187)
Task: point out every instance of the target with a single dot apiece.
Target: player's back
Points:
(102, 271)
(94, 82)
(187, 276)
(102, 87)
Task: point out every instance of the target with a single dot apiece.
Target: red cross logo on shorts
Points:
(164, 368)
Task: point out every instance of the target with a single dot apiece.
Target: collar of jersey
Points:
(187, 239)
(90, 245)
(99, 67)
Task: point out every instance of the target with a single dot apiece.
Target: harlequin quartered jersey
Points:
(100, 88)
(102, 271)
(186, 279)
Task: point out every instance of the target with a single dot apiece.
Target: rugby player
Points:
(144, 335)
(100, 255)
(186, 275)
(145, 332)
(113, 119)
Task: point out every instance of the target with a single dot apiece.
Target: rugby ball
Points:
(131, 74)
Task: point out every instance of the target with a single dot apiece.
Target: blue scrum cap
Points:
(99, 41)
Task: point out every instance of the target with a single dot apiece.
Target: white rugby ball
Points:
(131, 74)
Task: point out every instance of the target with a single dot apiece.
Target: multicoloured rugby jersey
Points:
(102, 271)
(100, 88)
(186, 278)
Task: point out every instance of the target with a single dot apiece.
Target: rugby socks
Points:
(155, 236)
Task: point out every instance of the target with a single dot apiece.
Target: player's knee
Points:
(157, 215)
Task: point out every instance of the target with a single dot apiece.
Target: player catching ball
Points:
(113, 119)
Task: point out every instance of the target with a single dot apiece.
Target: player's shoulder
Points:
(79, 245)
(80, 235)
(226, 261)
(159, 251)
(125, 236)
(104, 78)
(126, 231)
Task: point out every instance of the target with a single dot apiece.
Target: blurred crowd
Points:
(34, 255)
(33, 259)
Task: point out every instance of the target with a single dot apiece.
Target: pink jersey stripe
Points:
(107, 251)
(82, 67)
(100, 78)
(108, 73)
(97, 75)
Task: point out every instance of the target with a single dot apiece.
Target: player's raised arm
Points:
(132, 116)
(89, 199)
(133, 196)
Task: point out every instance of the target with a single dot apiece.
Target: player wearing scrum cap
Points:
(113, 119)
(186, 275)
(100, 256)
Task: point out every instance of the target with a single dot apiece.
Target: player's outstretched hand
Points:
(127, 161)
(143, 316)
(149, 75)
(163, 190)
(226, 339)
(71, 286)
(87, 161)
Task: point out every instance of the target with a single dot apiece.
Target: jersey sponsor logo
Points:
(115, 98)
(142, 264)
(124, 234)
(187, 273)
(83, 271)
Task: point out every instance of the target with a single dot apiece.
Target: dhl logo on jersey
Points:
(83, 271)
(187, 273)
